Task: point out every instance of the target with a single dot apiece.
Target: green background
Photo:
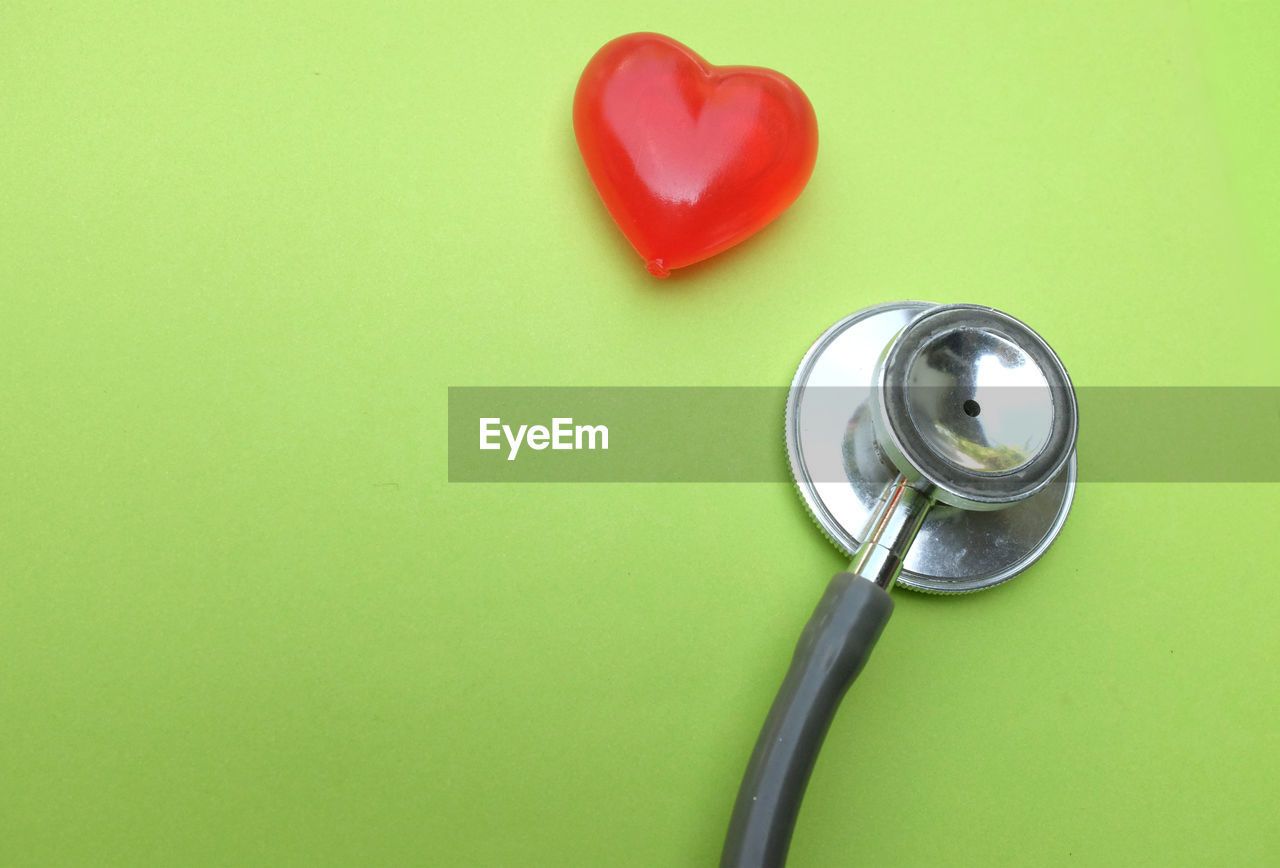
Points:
(244, 619)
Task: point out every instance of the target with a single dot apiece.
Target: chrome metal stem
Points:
(889, 532)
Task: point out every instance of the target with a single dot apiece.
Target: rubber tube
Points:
(831, 652)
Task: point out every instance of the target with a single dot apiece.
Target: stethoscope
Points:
(936, 445)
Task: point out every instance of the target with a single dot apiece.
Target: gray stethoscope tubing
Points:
(958, 412)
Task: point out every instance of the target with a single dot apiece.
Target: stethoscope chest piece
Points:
(961, 400)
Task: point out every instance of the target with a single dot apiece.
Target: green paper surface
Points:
(246, 248)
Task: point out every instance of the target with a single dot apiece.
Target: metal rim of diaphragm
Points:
(840, 469)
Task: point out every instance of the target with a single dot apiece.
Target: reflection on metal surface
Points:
(975, 403)
(979, 401)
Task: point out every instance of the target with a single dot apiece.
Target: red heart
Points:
(690, 158)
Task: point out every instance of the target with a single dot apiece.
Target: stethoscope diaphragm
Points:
(841, 467)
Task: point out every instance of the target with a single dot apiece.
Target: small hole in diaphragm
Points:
(971, 408)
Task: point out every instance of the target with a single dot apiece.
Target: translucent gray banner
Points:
(735, 434)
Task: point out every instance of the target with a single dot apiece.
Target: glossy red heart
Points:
(690, 158)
